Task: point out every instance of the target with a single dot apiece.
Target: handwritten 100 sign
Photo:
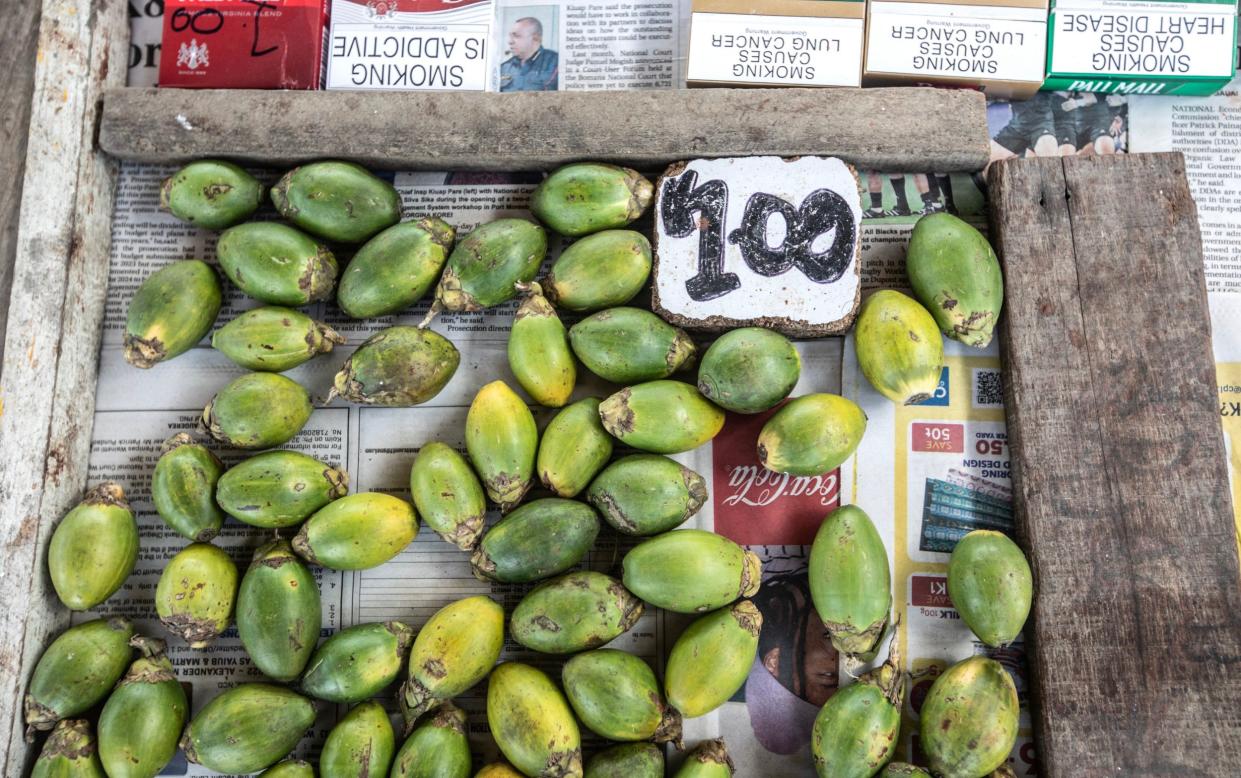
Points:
(760, 241)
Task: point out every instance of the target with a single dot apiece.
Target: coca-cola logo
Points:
(755, 506)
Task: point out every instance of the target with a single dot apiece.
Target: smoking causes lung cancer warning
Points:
(755, 49)
(758, 240)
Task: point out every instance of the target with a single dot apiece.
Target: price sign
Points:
(758, 241)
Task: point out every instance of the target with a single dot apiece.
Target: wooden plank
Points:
(1118, 468)
(885, 129)
(47, 389)
(18, 37)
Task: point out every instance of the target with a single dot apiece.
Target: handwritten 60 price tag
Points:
(760, 241)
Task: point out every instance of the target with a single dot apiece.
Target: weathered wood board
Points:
(877, 129)
(1121, 486)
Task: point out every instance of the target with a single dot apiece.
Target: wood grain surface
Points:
(1119, 471)
(880, 129)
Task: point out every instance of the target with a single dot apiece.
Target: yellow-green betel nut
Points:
(278, 612)
(276, 264)
(437, 748)
(586, 197)
(290, 768)
(196, 594)
(142, 720)
(662, 417)
(454, 650)
(617, 696)
(77, 671)
(629, 760)
(360, 745)
(498, 770)
(211, 193)
(630, 345)
(956, 276)
(532, 723)
(395, 269)
(600, 271)
(485, 266)
(358, 662)
(502, 439)
(574, 612)
(69, 752)
(850, 580)
(645, 494)
(969, 719)
(990, 584)
(811, 435)
(536, 540)
(749, 370)
(257, 410)
(273, 339)
(709, 759)
(339, 201)
(711, 659)
(279, 488)
(183, 488)
(903, 770)
(448, 495)
(399, 367)
(172, 310)
(855, 732)
(357, 532)
(691, 571)
(93, 549)
(574, 448)
(899, 347)
(538, 351)
(247, 728)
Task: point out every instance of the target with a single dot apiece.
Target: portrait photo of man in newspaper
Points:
(531, 66)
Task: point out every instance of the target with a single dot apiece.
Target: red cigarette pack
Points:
(244, 44)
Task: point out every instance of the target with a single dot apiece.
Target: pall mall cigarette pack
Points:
(1142, 46)
(998, 46)
(776, 43)
(243, 44)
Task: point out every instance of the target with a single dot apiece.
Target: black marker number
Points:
(680, 201)
(823, 211)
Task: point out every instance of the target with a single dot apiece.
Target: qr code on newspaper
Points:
(988, 389)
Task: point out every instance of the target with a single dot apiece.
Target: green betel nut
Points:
(709, 759)
(630, 760)
(646, 494)
(575, 446)
(142, 719)
(171, 312)
(292, 768)
(77, 671)
(196, 594)
(397, 367)
(532, 723)
(357, 532)
(69, 752)
(247, 728)
(279, 489)
(955, 274)
(337, 201)
(93, 549)
(617, 696)
(574, 612)
(662, 417)
(855, 733)
(454, 650)
(360, 745)
(850, 580)
(903, 770)
(502, 439)
(395, 269)
(749, 370)
(278, 613)
(257, 410)
(486, 266)
(600, 271)
(899, 348)
(586, 197)
(498, 770)
(183, 488)
(630, 345)
(211, 193)
(274, 339)
(538, 351)
(537, 540)
(438, 748)
(276, 264)
(358, 663)
(711, 659)
(990, 584)
(691, 571)
(448, 495)
(811, 435)
(969, 719)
